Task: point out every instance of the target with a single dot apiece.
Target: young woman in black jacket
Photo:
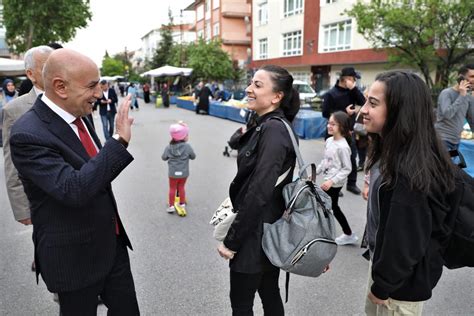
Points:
(408, 198)
(265, 154)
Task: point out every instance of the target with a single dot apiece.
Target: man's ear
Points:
(278, 97)
(30, 75)
(60, 88)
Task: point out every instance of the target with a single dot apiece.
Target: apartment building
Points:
(227, 20)
(313, 39)
(181, 33)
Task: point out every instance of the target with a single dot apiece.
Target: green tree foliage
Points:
(112, 67)
(429, 35)
(33, 23)
(163, 51)
(209, 61)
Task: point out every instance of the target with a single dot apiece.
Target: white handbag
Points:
(222, 219)
(225, 215)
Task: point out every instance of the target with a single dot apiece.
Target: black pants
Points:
(242, 293)
(352, 178)
(334, 194)
(117, 291)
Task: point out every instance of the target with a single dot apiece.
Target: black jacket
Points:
(103, 107)
(338, 98)
(265, 153)
(407, 262)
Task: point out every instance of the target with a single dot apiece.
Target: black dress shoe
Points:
(341, 194)
(354, 189)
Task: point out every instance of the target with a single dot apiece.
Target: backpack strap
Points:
(287, 286)
(299, 157)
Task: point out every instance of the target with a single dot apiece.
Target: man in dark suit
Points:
(80, 242)
(107, 110)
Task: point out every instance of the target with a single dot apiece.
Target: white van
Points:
(304, 89)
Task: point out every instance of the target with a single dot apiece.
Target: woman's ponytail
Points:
(283, 81)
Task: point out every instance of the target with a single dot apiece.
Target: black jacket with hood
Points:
(265, 153)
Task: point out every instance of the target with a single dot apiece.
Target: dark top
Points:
(204, 95)
(103, 107)
(338, 98)
(265, 153)
(407, 262)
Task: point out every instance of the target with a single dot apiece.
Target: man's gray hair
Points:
(29, 55)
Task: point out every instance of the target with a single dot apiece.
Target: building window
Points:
(200, 13)
(207, 8)
(200, 34)
(292, 7)
(208, 30)
(262, 14)
(337, 36)
(330, 1)
(263, 48)
(292, 43)
(215, 4)
(216, 29)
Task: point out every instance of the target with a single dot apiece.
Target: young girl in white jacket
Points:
(335, 167)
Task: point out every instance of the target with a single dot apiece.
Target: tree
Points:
(163, 51)
(429, 35)
(30, 24)
(112, 67)
(210, 61)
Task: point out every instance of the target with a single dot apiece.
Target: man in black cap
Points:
(346, 97)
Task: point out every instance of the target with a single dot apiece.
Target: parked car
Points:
(305, 91)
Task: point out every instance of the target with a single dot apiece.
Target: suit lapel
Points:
(60, 128)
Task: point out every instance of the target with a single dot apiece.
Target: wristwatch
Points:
(120, 139)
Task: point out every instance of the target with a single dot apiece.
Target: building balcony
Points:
(235, 10)
(235, 38)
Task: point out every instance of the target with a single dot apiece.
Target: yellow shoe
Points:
(180, 209)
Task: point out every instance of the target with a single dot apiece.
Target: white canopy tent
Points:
(11, 67)
(111, 78)
(167, 70)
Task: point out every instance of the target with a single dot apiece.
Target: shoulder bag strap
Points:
(299, 158)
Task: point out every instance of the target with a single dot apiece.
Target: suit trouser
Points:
(117, 291)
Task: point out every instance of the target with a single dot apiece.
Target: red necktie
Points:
(86, 139)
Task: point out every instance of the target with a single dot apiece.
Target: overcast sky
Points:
(117, 24)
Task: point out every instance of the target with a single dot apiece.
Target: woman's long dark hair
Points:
(283, 81)
(408, 145)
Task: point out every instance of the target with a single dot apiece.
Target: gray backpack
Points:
(302, 240)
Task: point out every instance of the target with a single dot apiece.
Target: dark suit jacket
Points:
(73, 209)
(103, 107)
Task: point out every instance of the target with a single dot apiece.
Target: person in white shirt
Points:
(336, 167)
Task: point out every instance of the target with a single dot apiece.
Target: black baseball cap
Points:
(349, 71)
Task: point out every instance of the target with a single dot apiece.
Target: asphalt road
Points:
(176, 267)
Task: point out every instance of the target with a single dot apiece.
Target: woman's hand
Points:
(377, 301)
(225, 252)
(326, 185)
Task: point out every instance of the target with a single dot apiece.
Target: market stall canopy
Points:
(11, 67)
(111, 78)
(168, 71)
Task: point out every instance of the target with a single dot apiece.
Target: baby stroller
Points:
(233, 142)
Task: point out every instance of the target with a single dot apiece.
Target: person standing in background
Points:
(345, 96)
